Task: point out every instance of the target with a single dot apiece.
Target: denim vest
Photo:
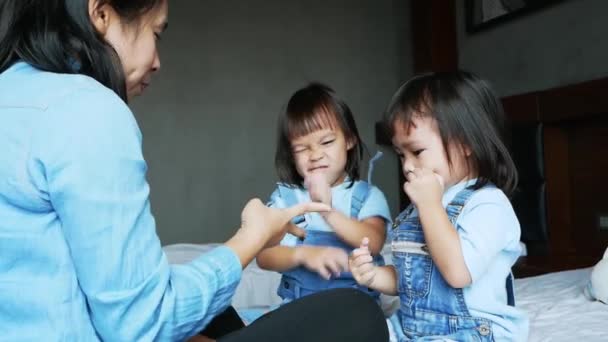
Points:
(299, 281)
(429, 305)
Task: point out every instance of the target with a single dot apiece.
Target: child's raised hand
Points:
(326, 261)
(423, 186)
(318, 187)
(362, 265)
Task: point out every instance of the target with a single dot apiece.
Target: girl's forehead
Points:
(416, 128)
(315, 135)
(303, 125)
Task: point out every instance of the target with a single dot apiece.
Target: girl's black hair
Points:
(309, 109)
(58, 36)
(468, 113)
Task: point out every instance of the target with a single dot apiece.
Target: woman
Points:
(79, 256)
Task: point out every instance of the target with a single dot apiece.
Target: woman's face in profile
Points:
(136, 44)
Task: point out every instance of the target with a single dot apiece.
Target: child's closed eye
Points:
(327, 142)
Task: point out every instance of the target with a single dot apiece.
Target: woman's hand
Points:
(362, 264)
(274, 223)
(263, 227)
(326, 261)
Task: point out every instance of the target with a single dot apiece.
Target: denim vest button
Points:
(484, 330)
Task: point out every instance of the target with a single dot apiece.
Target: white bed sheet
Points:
(257, 287)
(558, 309)
(555, 303)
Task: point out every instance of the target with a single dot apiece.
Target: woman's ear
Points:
(100, 16)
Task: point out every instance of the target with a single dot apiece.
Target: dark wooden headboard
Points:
(574, 120)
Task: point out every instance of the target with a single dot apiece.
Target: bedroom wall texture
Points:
(559, 45)
(228, 67)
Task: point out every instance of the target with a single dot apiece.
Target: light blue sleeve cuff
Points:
(225, 264)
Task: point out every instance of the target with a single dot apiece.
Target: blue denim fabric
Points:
(299, 281)
(431, 309)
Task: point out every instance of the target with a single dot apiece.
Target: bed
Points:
(555, 302)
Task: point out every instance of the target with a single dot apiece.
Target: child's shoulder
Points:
(285, 195)
(489, 194)
(492, 199)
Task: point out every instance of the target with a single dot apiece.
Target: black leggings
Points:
(335, 315)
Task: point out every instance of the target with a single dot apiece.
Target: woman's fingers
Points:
(295, 230)
(307, 207)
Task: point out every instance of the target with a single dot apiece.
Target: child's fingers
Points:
(333, 266)
(367, 278)
(366, 268)
(363, 274)
(324, 272)
(365, 243)
(362, 259)
(358, 252)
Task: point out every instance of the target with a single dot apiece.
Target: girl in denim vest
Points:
(318, 155)
(454, 246)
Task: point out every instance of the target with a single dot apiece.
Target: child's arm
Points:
(352, 231)
(366, 273)
(326, 261)
(443, 242)
(444, 245)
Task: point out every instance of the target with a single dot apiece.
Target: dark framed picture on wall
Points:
(483, 14)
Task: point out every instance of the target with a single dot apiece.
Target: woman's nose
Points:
(156, 62)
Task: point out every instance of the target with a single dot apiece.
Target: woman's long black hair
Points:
(58, 36)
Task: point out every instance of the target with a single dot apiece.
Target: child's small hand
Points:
(318, 188)
(423, 186)
(362, 265)
(326, 261)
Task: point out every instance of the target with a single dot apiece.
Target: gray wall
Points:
(228, 67)
(559, 45)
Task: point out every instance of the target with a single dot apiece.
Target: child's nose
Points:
(316, 154)
(406, 166)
